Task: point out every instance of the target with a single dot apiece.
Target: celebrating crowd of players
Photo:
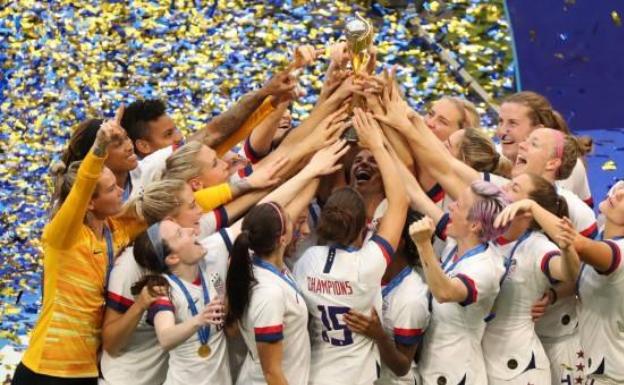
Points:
(423, 253)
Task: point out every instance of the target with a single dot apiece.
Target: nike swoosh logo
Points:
(97, 252)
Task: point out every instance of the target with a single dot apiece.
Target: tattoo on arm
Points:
(99, 149)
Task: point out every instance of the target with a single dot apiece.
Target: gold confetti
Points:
(609, 166)
(615, 16)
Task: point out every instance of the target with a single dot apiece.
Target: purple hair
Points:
(490, 201)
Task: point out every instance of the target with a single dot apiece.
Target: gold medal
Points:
(203, 351)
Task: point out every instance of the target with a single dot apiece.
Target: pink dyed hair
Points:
(490, 200)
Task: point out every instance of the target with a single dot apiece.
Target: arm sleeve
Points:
(375, 256)
(411, 320)
(258, 115)
(161, 304)
(63, 229)
(479, 279)
(124, 274)
(616, 257)
(266, 311)
(213, 221)
(213, 197)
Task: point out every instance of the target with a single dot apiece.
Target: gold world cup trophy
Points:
(359, 34)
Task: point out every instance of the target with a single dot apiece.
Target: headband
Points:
(153, 233)
(281, 217)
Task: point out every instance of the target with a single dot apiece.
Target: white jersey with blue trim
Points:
(185, 364)
(332, 284)
(276, 312)
(510, 343)
(452, 345)
(578, 183)
(142, 358)
(601, 315)
(405, 316)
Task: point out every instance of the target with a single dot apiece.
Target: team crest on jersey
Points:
(512, 268)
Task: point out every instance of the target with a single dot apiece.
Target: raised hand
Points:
(339, 54)
(566, 235)
(281, 86)
(329, 129)
(368, 130)
(347, 88)
(523, 206)
(266, 175)
(422, 230)
(110, 131)
(305, 55)
(324, 161)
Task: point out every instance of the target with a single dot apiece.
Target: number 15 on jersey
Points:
(329, 318)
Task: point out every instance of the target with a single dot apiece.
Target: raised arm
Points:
(63, 229)
(452, 174)
(566, 267)
(595, 253)
(261, 138)
(442, 287)
(419, 201)
(223, 126)
(370, 136)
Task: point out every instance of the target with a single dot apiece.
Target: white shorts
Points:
(532, 376)
(566, 357)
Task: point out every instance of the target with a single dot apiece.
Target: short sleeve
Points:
(123, 276)
(266, 313)
(375, 256)
(160, 304)
(213, 221)
(436, 193)
(478, 278)
(250, 153)
(582, 216)
(153, 165)
(616, 257)
(440, 229)
(411, 321)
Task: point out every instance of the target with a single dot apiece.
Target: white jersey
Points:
(185, 364)
(142, 359)
(335, 280)
(582, 216)
(149, 169)
(510, 344)
(212, 221)
(405, 316)
(452, 345)
(602, 316)
(276, 312)
(578, 183)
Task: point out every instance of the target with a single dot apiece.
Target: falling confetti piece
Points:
(615, 16)
(609, 166)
